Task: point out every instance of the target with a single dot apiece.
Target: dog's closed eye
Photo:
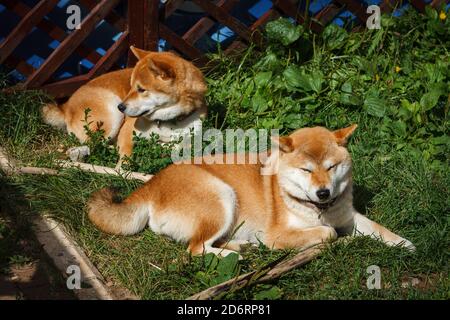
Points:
(333, 166)
(140, 89)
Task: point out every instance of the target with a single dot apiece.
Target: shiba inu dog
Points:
(306, 202)
(161, 94)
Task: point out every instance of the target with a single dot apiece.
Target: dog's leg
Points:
(125, 140)
(366, 227)
(212, 227)
(236, 245)
(300, 238)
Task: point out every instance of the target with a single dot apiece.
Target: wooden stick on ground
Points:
(9, 166)
(255, 277)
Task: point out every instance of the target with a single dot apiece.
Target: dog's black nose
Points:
(323, 194)
(121, 107)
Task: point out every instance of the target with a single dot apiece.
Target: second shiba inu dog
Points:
(306, 202)
(161, 94)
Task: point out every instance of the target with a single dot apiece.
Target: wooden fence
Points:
(142, 26)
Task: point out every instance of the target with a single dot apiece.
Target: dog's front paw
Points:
(328, 233)
(77, 154)
(407, 244)
(401, 242)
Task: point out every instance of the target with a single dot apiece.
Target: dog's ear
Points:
(285, 144)
(342, 135)
(139, 53)
(162, 68)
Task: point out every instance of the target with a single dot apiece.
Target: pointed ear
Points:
(162, 68)
(284, 143)
(139, 53)
(342, 135)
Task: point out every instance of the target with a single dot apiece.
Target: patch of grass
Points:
(400, 152)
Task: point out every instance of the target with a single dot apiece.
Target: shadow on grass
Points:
(25, 270)
(361, 198)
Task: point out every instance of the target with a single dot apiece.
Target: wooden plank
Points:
(65, 88)
(327, 14)
(119, 48)
(204, 24)
(235, 48)
(437, 3)
(143, 17)
(266, 17)
(234, 24)
(20, 65)
(418, 4)
(66, 48)
(389, 5)
(288, 8)
(183, 46)
(25, 26)
(52, 30)
(151, 25)
(170, 7)
(112, 17)
(356, 8)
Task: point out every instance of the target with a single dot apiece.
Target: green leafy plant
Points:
(102, 152)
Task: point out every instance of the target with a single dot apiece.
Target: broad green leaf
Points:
(399, 128)
(347, 87)
(271, 293)
(269, 61)
(431, 12)
(282, 30)
(429, 100)
(375, 106)
(259, 103)
(263, 78)
(295, 77)
(441, 140)
(433, 73)
(228, 265)
(349, 99)
(294, 121)
(334, 36)
(316, 80)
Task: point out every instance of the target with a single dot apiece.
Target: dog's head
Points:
(161, 80)
(314, 164)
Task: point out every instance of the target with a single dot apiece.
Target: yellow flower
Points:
(398, 69)
(442, 15)
(377, 77)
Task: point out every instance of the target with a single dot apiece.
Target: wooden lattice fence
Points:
(143, 23)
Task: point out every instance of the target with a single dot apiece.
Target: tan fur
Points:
(203, 204)
(156, 72)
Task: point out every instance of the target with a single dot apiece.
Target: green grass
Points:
(400, 152)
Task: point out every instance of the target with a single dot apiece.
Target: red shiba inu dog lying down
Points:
(161, 94)
(306, 202)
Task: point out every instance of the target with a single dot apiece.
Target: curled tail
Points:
(53, 115)
(122, 218)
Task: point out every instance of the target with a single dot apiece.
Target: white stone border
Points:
(63, 251)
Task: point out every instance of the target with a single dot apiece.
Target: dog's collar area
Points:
(324, 206)
(174, 120)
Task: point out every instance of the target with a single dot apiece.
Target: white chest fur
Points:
(169, 130)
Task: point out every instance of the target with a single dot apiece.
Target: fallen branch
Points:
(9, 166)
(259, 276)
(105, 170)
